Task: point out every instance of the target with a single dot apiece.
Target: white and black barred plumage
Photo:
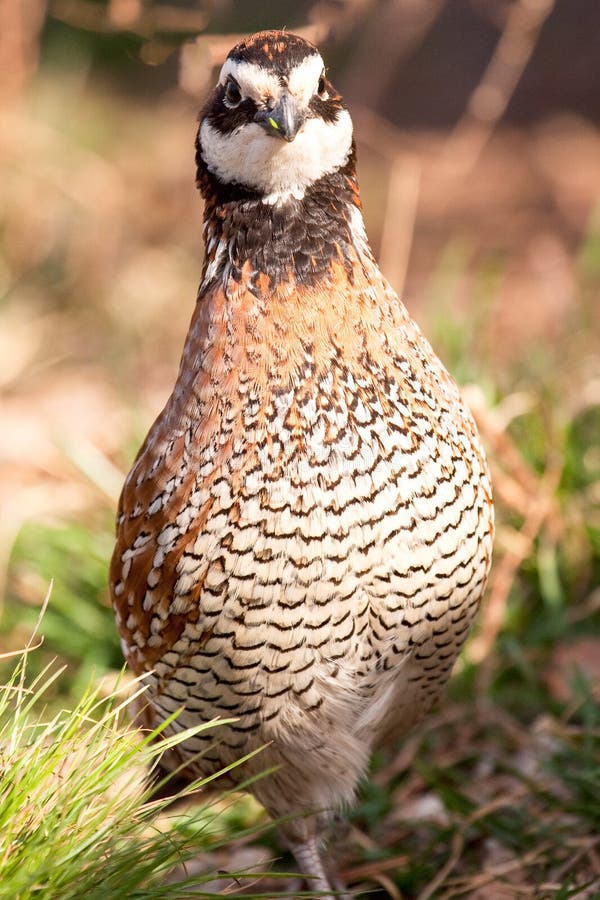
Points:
(306, 533)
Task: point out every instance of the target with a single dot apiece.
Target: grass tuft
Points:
(77, 817)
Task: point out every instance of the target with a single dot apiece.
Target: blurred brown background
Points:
(478, 131)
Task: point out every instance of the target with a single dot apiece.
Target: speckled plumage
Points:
(305, 536)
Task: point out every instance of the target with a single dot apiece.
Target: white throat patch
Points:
(278, 169)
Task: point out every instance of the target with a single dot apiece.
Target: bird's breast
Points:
(338, 512)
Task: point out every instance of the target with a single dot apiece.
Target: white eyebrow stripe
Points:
(304, 78)
(258, 83)
(254, 80)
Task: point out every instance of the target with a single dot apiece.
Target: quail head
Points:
(306, 532)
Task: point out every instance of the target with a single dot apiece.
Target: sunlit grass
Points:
(77, 816)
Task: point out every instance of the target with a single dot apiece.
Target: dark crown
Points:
(277, 50)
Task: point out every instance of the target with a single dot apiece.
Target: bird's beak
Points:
(284, 120)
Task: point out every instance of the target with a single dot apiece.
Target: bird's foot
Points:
(311, 866)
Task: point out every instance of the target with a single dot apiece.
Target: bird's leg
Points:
(311, 866)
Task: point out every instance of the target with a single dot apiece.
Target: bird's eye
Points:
(233, 95)
(322, 87)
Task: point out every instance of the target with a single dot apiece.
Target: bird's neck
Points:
(293, 240)
(287, 292)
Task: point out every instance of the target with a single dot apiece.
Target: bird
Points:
(306, 532)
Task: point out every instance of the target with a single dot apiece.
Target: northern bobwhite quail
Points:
(305, 535)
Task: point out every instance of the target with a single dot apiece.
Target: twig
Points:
(138, 18)
(392, 32)
(465, 885)
(458, 844)
(492, 95)
(372, 869)
(19, 44)
(399, 219)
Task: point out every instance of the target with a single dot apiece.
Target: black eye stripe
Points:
(227, 118)
(328, 110)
